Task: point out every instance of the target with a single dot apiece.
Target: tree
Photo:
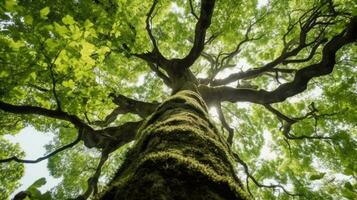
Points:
(144, 86)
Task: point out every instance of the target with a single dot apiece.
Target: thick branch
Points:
(306, 26)
(160, 74)
(88, 136)
(119, 135)
(91, 138)
(204, 21)
(201, 27)
(56, 114)
(301, 79)
(126, 105)
(109, 118)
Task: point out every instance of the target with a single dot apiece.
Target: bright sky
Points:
(262, 3)
(32, 142)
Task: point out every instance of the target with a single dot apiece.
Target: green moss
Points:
(179, 149)
(177, 162)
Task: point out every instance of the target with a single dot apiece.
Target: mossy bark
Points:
(179, 154)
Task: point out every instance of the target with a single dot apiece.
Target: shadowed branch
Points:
(170, 65)
(289, 122)
(300, 81)
(224, 60)
(143, 109)
(256, 182)
(91, 138)
(308, 21)
(229, 129)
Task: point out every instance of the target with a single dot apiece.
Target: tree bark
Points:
(178, 154)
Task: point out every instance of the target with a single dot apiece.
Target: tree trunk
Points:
(178, 154)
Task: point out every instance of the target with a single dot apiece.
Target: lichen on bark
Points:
(178, 154)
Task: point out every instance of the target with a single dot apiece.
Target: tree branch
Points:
(204, 21)
(53, 79)
(109, 118)
(126, 105)
(176, 68)
(250, 176)
(149, 25)
(218, 64)
(118, 136)
(89, 137)
(289, 122)
(56, 114)
(122, 135)
(225, 124)
(93, 181)
(39, 88)
(193, 10)
(160, 74)
(301, 79)
(70, 145)
(306, 26)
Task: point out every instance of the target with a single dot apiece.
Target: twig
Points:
(192, 10)
(250, 176)
(289, 122)
(225, 124)
(16, 159)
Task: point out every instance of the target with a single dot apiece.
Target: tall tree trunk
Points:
(179, 154)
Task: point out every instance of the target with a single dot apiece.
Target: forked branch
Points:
(126, 105)
(204, 21)
(288, 122)
(256, 182)
(170, 65)
(148, 21)
(300, 81)
(93, 181)
(308, 22)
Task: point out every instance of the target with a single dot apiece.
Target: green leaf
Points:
(349, 186)
(4, 74)
(68, 20)
(28, 19)
(51, 43)
(44, 12)
(97, 43)
(317, 176)
(10, 4)
(69, 84)
(39, 183)
(61, 30)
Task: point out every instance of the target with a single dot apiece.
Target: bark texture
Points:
(178, 154)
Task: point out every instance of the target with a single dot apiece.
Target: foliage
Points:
(10, 173)
(71, 55)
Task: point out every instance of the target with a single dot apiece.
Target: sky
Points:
(32, 143)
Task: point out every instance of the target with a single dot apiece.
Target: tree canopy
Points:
(279, 78)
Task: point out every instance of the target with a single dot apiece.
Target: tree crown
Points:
(277, 75)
